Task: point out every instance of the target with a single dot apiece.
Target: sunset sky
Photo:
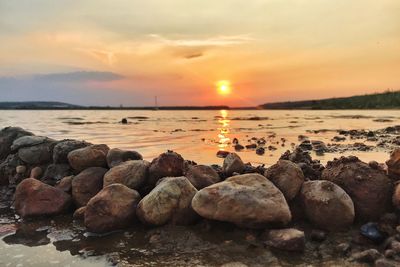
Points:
(128, 51)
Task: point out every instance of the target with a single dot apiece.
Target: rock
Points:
(36, 173)
(369, 255)
(20, 169)
(124, 121)
(61, 150)
(372, 232)
(112, 208)
(168, 164)
(8, 169)
(393, 164)
(248, 200)
(90, 156)
(7, 137)
(386, 263)
(34, 198)
(87, 184)
(222, 154)
(396, 197)
(169, 202)
(132, 173)
(28, 141)
(327, 205)
(317, 235)
(36, 154)
(287, 176)
(202, 176)
(55, 172)
(116, 156)
(370, 189)
(260, 151)
(343, 248)
(65, 184)
(286, 239)
(233, 163)
(79, 214)
(238, 147)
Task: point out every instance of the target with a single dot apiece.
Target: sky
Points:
(125, 52)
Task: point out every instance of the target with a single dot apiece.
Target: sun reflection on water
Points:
(223, 130)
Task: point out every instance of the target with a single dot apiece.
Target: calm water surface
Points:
(197, 135)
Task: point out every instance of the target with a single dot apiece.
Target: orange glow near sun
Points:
(224, 87)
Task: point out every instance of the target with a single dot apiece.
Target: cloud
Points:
(212, 41)
(78, 76)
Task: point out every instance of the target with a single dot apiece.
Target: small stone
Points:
(371, 231)
(386, 263)
(389, 253)
(20, 169)
(79, 214)
(222, 154)
(238, 147)
(343, 248)
(233, 163)
(124, 121)
(36, 173)
(260, 151)
(286, 239)
(318, 235)
(369, 255)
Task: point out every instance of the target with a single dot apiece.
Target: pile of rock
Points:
(112, 189)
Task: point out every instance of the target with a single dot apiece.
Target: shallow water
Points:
(197, 135)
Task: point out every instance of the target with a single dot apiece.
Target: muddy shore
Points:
(98, 202)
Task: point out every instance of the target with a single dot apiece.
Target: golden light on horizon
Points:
(224, 87)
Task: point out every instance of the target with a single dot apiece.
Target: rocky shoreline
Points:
(112, 189)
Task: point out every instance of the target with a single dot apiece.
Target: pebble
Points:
(369, 255)
(260, 151)
(222, 154)
(20, 169)
(371, 231)
(124, 121)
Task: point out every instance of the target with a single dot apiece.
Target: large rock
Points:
(202, 176)
(170, 201)
(34, 198)
(287, 176)
(34, 150)
(168, 164)
(112, 208)
(116, 156)
(233, 163)
(87, 184)
(248, 200)
(286, 239)
(327, 205)
(132, 173)
(90, 156)
(393, 164)
(370, 189)
(62, 149)
(7, 137)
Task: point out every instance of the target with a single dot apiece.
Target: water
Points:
(197, 135)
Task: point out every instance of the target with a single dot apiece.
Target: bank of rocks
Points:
(111, 189)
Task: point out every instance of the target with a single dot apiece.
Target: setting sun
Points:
(224, 87)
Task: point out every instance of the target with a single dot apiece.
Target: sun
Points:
(224, 87)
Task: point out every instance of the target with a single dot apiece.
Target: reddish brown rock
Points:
(287, 176)
(202, 176)
(168, 164)
(327, 205)
(34, 198)
(90, 156)
(396, 197)
(79, 214)
(87, 184)
(114, 207)
(233, 163)
(132, 173)
(370, 189)
(116, 156)
(65, 184)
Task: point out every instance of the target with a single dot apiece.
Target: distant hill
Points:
(387, 100)
(37, 105)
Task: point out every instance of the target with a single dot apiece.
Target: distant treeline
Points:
(386, 100)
